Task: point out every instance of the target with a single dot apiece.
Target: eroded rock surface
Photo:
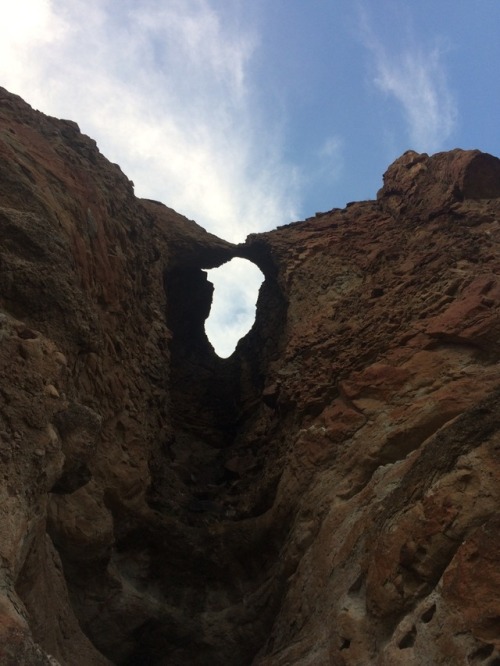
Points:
(328, 495)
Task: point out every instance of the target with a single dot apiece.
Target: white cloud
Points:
(418, 82)
(32, 23)
(31, 19)
(166, 90)
(331, 157)
(416, 77)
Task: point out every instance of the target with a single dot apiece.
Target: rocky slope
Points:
(328, 495)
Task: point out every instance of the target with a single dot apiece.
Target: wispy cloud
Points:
(415, 76)
(166, 89)
(331, 157)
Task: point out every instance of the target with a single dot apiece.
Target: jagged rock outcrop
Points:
(328, 495)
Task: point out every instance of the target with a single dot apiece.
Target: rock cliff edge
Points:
(328, 495)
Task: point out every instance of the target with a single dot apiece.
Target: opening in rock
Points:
(236, 287)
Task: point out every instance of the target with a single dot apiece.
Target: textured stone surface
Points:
(328, 495)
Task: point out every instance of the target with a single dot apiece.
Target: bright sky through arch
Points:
(244, 115)
(236, 288)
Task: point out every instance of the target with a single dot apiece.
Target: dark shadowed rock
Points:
(327, 495)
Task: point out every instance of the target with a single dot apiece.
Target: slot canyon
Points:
(326, 495)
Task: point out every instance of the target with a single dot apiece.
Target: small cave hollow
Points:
(232, 314)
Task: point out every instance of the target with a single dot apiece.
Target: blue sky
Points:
(248, 114)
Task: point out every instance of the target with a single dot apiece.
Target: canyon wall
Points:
(327, 495)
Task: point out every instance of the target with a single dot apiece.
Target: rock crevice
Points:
(328, 494)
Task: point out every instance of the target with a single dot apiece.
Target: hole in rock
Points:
(408, 639)
(481, 653)
(428, 614)
(232, 315)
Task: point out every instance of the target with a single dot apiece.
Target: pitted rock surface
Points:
(328, 495)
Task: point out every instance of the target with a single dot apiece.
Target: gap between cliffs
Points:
(209, 484)
(214, 400)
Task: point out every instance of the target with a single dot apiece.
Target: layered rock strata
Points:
(328, 495)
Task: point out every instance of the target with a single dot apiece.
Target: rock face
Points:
(328, 495)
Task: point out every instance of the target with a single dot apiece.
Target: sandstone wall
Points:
(328, 495)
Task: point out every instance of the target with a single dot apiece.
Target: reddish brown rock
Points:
(329, 495)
